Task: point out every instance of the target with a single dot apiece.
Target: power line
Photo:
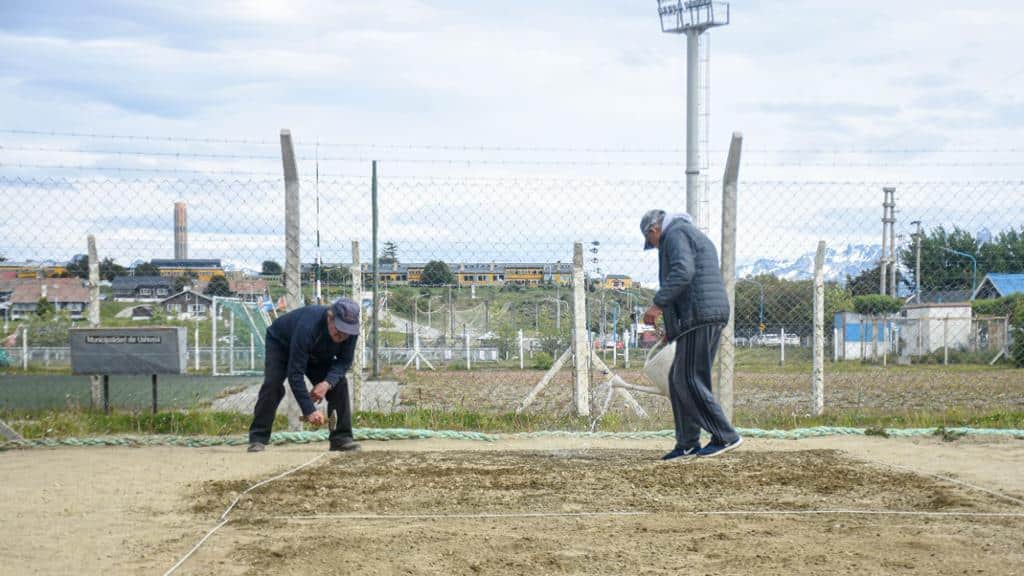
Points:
(139, 153)
(84, 168)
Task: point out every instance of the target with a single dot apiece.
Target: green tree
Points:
(146, 269)
(940, 269)
(876, 304)
(390, 254)
(45, 308)
(180, 282)
(437, 273)
(218, 286)
(271, 268)
(867, 282)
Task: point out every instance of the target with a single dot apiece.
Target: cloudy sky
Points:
(872, 91)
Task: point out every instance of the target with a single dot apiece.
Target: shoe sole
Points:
(355, 448)
(735, 444)
(256, 450)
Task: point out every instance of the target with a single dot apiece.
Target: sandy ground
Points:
(136, 511)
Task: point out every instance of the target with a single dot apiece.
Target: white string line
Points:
(953, 481)
(224, 517)
(506, 515)
(482, 515)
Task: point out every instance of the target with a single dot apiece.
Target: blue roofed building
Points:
(999, 286)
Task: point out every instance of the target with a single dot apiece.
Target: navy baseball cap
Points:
(346, 316)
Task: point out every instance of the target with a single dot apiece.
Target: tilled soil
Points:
(683, 525)
(522, 505)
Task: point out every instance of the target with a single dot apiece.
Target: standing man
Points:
(694, 305)
(318, 342)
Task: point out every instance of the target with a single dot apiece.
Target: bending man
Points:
(318, 342)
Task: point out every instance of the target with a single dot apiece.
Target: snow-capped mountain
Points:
(850, 261)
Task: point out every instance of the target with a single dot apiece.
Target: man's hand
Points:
(316, 418)
(319, 392)
(651, 316)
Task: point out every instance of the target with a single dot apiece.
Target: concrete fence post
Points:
(292, 251)
(95, 381)
(818, 370)
(727, 353)
(580, 346)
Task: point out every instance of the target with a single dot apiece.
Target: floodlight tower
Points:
(692, 18)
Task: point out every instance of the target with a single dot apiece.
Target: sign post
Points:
(128, 351)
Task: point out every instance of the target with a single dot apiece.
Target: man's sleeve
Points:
(342, 362)
(298, 359)
(681, 268)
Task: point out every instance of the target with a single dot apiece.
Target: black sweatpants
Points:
(693, 405)
(275, 375)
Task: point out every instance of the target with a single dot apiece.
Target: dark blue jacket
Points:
(303, 335)
(692, 293)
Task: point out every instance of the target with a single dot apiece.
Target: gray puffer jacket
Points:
(692, 293)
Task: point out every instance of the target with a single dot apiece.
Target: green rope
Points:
(385, 434)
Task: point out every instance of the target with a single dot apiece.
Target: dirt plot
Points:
(894, 390)
(136, 511)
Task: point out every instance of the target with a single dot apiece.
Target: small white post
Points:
(252, 353)
(945, 340)
(615, 351)
(213, 336)
(196, 359)
(782, 345)
(231, 341)
(465, 336)
(24, 347)
(521, 358)
(625, 344)
(416, 348)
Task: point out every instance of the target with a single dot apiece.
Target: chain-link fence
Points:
(476, 272)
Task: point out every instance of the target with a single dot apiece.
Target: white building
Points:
(928, 328)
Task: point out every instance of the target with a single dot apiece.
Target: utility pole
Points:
(917, 264)
(892, 241)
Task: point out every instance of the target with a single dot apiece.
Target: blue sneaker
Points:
(715, 449)
(682, 454)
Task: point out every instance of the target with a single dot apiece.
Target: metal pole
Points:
(357, 364)
(24, 347)
(917, 265)
(95, 382)
(465, 336)
(692, 161)
(818, 371)
(154, 394)
(106, 394)
(581, 349)
(727, 357)
(882, 261)
(376, 275)
(252, 352)
(451, 314)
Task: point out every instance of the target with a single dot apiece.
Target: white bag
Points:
(659, 364)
